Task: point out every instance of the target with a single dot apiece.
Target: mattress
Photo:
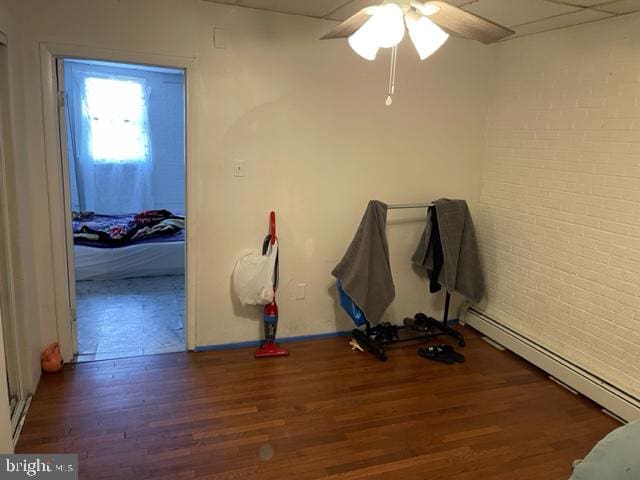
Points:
(116, 231)
(140, 260)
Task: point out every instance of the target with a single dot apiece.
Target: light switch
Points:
(238, 169)
(301, 291)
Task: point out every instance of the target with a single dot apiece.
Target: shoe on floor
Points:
(417, 324)
(441, 353)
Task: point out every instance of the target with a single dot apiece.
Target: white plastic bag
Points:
(253, 276)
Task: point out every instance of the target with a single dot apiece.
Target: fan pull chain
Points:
(392, 76)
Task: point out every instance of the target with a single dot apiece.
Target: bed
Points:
(110, 247)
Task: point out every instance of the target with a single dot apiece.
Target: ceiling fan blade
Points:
(350, 25)
(465, 24)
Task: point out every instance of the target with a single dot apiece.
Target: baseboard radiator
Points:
(611, 398)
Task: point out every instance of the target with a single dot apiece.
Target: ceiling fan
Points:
(429, 25)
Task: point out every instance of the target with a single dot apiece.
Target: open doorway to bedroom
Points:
(124, 136)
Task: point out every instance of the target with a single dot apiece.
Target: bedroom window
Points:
(117, 114)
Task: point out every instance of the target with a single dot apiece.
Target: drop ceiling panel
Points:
(580, 3)
(574, 18)
(620, 7)
(315, 8)
(524, 16)
(345, 11)
(517, 12)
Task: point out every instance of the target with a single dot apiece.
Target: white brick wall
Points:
(559, 213)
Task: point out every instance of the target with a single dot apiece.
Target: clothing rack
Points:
(398, 206)
(375, 338)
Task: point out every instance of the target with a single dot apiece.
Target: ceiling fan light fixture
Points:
(385, 29)
(389, 24)
(426, 36)
(365, 41)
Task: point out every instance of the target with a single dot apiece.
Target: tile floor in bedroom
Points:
(130, 317)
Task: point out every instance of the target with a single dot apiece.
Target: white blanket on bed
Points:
(142, 260)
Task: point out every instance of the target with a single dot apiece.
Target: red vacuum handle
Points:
(272, 227)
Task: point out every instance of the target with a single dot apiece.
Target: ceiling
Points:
(524, 16)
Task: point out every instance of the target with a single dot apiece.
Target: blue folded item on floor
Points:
(350, 307)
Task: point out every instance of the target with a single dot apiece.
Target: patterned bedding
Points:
(112, 231)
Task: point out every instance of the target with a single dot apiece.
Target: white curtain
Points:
(110, 144)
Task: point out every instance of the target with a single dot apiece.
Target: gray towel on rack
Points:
(365, 272)
(461, 271)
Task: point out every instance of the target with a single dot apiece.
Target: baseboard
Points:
(591, 386)
(256, 343)
(301, 338)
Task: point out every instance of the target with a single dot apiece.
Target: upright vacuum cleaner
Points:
(269, 347)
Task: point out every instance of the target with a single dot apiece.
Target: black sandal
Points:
(449, 350)
(417, 324)
(441, 353)
(433, 352)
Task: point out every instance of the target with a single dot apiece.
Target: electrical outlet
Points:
(301, 291)
(238, 169)
(219, 38)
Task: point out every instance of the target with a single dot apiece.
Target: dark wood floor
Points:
(323, 412)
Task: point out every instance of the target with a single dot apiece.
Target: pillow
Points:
(615, 457)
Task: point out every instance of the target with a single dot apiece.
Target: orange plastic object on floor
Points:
(51, 360)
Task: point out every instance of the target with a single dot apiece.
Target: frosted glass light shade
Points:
(389, 25)
(426, 36)
(365, 40)
(385, 29)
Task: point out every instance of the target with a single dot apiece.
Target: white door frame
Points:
(66, 195)
(14, 360)
(57, 182)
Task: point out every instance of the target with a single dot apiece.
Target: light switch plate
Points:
(238, 169)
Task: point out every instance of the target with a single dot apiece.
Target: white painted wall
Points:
(309, 120)
(559, 213)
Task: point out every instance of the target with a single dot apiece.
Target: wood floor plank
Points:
(324, 412)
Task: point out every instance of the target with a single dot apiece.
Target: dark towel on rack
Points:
(365, 272)
(449, 224)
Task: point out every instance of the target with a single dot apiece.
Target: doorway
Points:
(123, 141)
